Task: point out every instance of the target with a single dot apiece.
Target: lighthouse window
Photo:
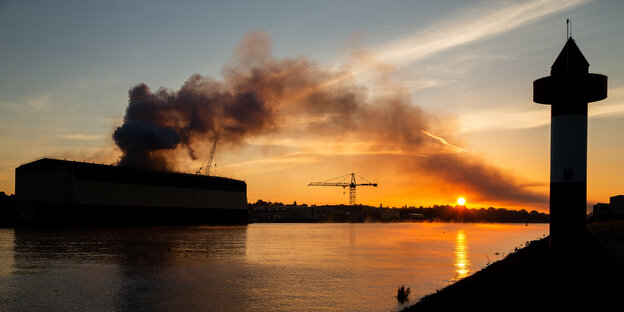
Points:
(567, 174)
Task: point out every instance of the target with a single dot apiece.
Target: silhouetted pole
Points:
(568, 89)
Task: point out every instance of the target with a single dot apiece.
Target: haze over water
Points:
(259, 267)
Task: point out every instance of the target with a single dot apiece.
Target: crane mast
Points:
(211, 157)
(352, 185)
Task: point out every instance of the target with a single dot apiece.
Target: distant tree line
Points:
(262, 203)
(464, 214)
(445, 213)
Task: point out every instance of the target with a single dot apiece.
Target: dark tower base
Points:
(568, 216)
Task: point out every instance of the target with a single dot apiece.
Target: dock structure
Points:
(54, 192)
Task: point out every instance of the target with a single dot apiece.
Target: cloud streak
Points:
(516, 117)
(474, 25)
(468, 26)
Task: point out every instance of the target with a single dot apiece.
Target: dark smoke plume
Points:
(475, 176)
(259, 92)
(141, 140)
(158, 122)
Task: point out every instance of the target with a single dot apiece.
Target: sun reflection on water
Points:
(462, 264)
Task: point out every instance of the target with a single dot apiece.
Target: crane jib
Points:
(352, 185)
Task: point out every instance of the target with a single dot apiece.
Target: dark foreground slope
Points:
(533, 278)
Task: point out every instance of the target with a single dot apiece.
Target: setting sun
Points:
(461, 201)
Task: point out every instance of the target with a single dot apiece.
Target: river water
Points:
(259, 267)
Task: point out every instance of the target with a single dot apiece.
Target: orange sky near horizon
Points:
(430, 109)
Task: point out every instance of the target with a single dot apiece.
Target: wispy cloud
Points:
(39, 103)
(470, 26)
(467, 26)
(291, 158)
(29, 103)
(520, 117)
(512, 117)
(612, 107)
(445, 143)
(608, 110)
(82, 136)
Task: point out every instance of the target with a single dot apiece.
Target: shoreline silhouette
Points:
(535, 277)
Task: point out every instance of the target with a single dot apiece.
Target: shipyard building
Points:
(59, 192)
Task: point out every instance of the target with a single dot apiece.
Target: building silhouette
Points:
(54, 192)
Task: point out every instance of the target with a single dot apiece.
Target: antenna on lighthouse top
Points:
(568, 34)
(568, 29)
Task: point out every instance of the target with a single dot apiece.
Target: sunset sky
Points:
(432, 100)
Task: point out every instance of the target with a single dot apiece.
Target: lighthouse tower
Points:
(568, 89)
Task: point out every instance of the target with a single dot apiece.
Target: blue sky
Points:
(67, 66)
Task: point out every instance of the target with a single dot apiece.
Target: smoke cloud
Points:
(260, 93)
(484, 181)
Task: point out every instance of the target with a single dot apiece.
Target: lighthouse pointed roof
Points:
(570, 61)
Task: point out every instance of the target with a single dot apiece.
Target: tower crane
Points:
(342, 181)
(211, 157)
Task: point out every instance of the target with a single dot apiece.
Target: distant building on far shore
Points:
(613, 210)
(601, 210)
(617, 206)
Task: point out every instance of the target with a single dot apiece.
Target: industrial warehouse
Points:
(59, 192)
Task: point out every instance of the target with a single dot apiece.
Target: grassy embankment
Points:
(534, 278)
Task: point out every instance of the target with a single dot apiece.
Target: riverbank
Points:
(533, 278)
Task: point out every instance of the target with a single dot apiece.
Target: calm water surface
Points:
(259, 267)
